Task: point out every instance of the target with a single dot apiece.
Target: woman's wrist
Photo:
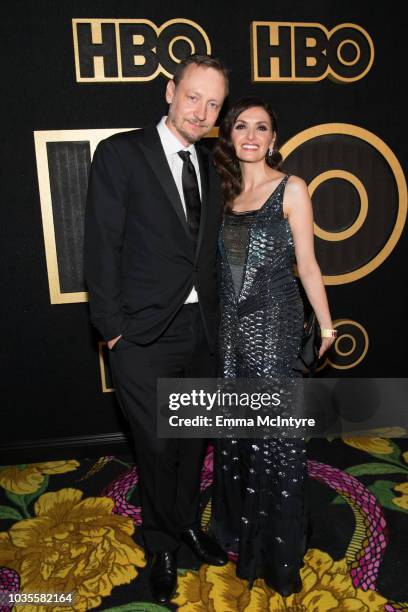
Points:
(328, 332)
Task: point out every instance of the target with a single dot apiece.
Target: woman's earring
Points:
(270, 153)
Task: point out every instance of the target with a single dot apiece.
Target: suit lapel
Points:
(154, 153)
(204, 179)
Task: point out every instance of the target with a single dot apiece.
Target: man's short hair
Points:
(200, 60)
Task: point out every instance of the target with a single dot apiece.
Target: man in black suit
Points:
(150, 251)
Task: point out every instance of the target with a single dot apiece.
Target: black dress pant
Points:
(169, 469)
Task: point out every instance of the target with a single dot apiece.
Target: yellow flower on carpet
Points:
(73, 545)
(379, 446)
(28, 479)
(194, 590)
(402, 500)
(326, 586)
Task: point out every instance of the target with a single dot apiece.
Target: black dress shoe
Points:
(285, 581)
(163, 576)
(206, 549)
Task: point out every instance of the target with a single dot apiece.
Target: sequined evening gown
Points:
(260, 495)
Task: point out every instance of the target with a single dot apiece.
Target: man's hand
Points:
(111, 343)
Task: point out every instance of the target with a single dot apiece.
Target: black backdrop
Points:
(51, 396)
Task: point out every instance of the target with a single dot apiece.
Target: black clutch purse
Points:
(308, 357)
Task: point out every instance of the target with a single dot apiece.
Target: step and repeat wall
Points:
(79, 71)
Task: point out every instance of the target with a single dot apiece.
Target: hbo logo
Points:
(283, 51)
(133, 49)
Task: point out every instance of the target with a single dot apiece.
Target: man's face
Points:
(195, 103)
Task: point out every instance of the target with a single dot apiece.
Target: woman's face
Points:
(252, 134)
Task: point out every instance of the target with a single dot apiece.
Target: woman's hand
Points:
(325, 345)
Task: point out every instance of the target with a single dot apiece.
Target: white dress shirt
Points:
(171, 146)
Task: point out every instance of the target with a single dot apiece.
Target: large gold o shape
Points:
(174, 40)
(341, 58)
(359, 359)
(343, 337)
(361, 217)
(373, 140)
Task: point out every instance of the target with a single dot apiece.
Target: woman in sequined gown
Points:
(260, 485)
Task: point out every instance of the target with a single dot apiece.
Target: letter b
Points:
(137, 41)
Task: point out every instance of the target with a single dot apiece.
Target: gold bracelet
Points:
(328, 333)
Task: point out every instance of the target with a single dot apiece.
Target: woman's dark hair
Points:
(225, 159)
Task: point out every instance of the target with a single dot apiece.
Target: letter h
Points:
(88, 50)
(268, 51)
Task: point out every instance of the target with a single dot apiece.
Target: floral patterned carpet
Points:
(74, 526)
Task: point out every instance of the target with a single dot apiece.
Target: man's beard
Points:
(186, 135)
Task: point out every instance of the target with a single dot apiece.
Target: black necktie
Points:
(191, 194)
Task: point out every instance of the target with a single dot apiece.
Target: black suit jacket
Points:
(139, 258)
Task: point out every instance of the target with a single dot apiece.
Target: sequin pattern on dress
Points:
(260, 492)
